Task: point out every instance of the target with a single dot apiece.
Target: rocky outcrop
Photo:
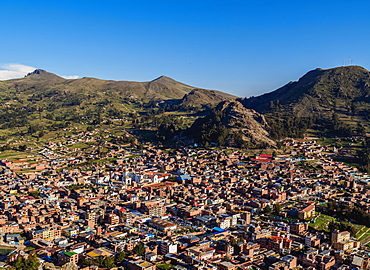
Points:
(253, 125)
(37, 71)
(232, 124)
(67, 266)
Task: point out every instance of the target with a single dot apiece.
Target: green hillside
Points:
(42, 103)
(340, 94)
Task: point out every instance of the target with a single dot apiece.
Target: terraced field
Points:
(364, 235)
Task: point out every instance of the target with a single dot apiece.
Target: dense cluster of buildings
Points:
(190, 209)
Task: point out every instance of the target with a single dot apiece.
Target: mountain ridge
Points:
(162, 87)
(45, 102)
(325, 85)
(333, 101)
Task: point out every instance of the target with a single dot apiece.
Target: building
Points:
(46, 234)
(246, 216)
(113, 219)
(290, 260)
(343, 241)
(299, 227)
(166, 247)
(311, 241)
(227, 266)
(279, 244)
(150, 256)
(162, 225)
(67, 257)
(307, 212)
(139, 265)
(337, 236)
(153, 208)
(14, 239)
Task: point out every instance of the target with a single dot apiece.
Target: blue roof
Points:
(218, 230)
(184, 177)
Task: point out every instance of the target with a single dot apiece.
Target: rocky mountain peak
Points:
(37, 71)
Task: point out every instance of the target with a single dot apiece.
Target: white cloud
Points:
(12, 71)
(70, 77)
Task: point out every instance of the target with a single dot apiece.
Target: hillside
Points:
(344, 90)
(41, 84)
(202, 97)
(327, 102)
(43, 102)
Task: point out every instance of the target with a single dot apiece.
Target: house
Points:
(150, 256)
(227, 266)
(67, 257)
(139, 265)
(162, 225)
(307, 212)
(343, 241)
(14, 239)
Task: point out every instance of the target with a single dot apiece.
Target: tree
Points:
(341, 226)
(108, 262)
(87, 262)
(19, 263)
(34, 194)
(31, 263)
(267, 210)
(234, 242)
(139, 249)
(22, 147)
(226, 258)
(277, 208)
(120, 257)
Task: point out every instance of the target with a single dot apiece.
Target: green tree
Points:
(139, 249)
(119, 257)
(108, 262)
(22, 147)
(234, 242)
(19, 263)
(226, 258)
(276, 208)
(31, 263)
(34, 194)
(341, 226)
(87, 262)
(267, 210)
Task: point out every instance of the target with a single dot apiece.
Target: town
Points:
(191, 208)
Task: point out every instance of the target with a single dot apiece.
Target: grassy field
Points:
(322, 222)
(363, 233)
(78, 145)
(13, 155)
(5, 250)
(348, 161)
(364, 236)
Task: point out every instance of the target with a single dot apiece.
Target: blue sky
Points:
(240, 47)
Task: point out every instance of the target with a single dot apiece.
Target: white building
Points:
(166, 247)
